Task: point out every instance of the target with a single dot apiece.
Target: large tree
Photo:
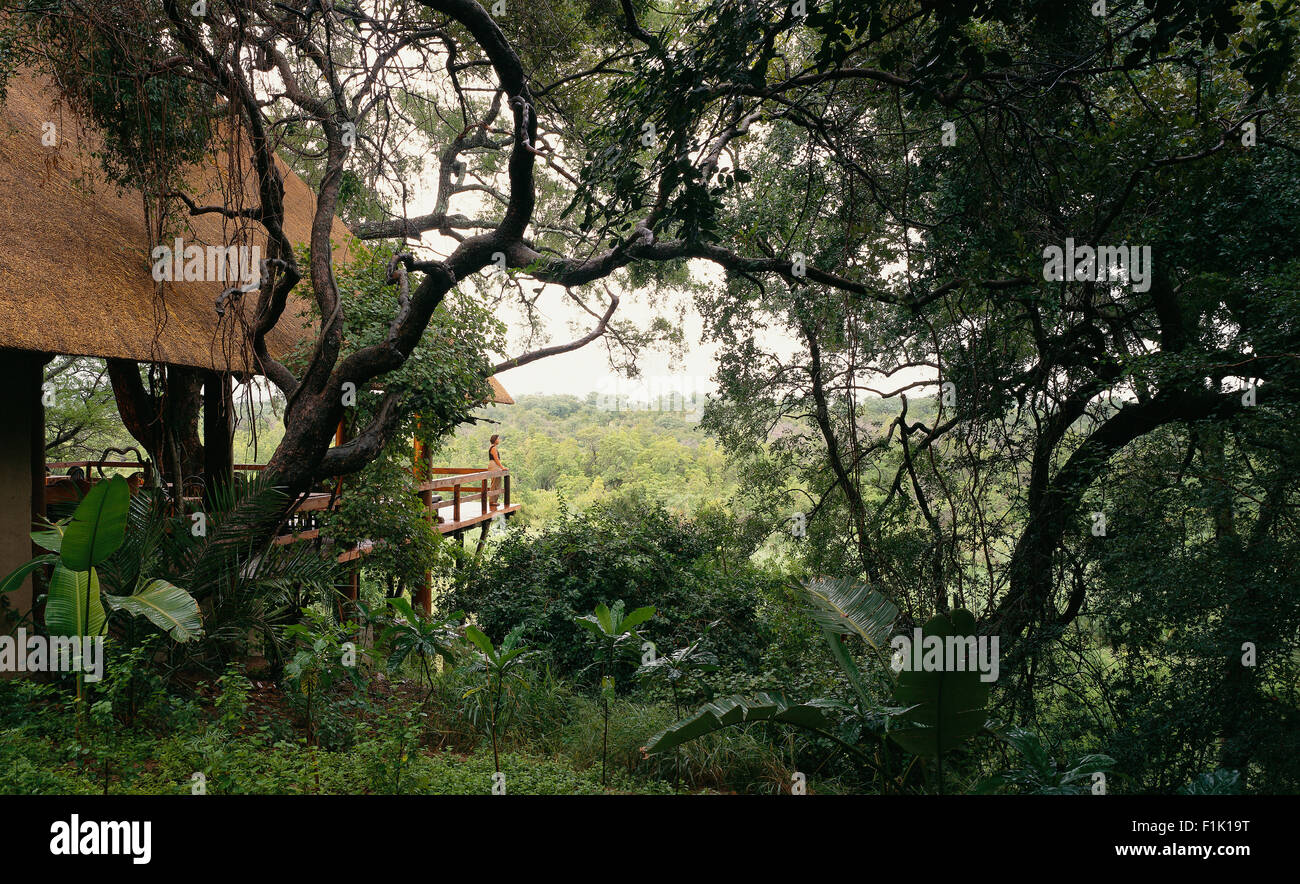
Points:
(798, 146)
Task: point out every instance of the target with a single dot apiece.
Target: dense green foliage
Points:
(570, 448)
(641, 554)
(921, 421)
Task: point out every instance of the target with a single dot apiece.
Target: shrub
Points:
(641, 554)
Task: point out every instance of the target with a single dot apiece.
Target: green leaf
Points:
(51, 538)
(1028, 745)
(168, 607)
(636, 618)
(605, 619)
(732, 711)
(590, 623)
(74, 603)
(1219, 782)
(484, 644)
(990, 785)
(98, 526)
(404, 608)
(850, 669)
(948, 706)
(1086, 767)
(847, 607)
(15, 579)
(516, 655)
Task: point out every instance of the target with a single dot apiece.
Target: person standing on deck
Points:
(494, 463)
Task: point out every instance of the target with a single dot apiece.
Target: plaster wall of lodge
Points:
(22, 374)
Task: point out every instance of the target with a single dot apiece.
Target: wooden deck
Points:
(458, 499)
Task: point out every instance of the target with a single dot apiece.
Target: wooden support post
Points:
(19, 474)
(218, 432)
(423, 473)
(350, 589)
(38, 446)
(507, 487)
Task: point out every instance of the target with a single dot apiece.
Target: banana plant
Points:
(613, 632)
(942, 707)
(841, 608)
(426, 637)
(502, 668)
(927, 713)
(677, 669)
(680, 666)
(75, 604)
(1038, 774)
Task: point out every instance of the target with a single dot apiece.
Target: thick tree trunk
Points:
(218, 432)
(166, 425)
(1029, 599)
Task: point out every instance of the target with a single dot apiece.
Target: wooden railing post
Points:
(507, 489)
(485, 497)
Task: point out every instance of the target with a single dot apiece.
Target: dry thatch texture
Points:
(75, 269)
(499, 394)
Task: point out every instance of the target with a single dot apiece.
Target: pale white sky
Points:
(587, 369)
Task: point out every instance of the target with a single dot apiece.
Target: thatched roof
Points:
(75, 269)
(499, 394)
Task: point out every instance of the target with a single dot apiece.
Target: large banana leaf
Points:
(732, 711)
(167, 607)
(948, 707)
(98, 525)
(49, 538)
(74, 607)
(482, 642)
(847, 607)
(15, 579)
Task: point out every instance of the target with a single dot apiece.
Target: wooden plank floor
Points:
(471, 514)
(458, 505)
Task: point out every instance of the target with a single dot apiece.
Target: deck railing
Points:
(459, 478)
(458, 486)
